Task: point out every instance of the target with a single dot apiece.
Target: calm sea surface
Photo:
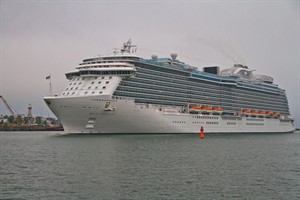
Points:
(46, 165)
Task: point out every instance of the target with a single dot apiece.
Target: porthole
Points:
(100, 92)
(93, 92)
(89, 87)
(99, 82)
(92, 82)
(86, 92)
(104, 87)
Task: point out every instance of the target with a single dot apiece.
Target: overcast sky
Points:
(43, 37)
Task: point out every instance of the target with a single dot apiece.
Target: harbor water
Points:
(48, 165)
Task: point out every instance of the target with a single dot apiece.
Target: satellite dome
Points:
(154, 56)
(173, 56)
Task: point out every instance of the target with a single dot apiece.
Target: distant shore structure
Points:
(125, 93)
(29, 113)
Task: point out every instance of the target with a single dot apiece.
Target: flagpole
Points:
(50, 84)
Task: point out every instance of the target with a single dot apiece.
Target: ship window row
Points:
(168, 84)
(249, 119)
(230, 118)
(198, 122)
(213, 100)
(89, 88)
(114, 72)
(181, 100)
(94, 72)
(172, 103)
(79, 79)
(161, 74)
(235, 87)
(217, 96)
(186, 83)
(183, 93)
(167, 69)
(212, 122)
(250, 92)
(183, 87)
(86, 92)
(205, 117)
(146, 86)
(256, 124)
(259, 88)
(165, 92)
(231, 123)
(179, 122)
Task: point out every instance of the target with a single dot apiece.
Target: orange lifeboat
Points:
(276, 114)
(207, 108)
(247, 111)
(195, 107)
(217, 108)
(262, 112)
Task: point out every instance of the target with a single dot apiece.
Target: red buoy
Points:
(201, 132)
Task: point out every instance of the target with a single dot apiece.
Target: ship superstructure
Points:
(124, 93)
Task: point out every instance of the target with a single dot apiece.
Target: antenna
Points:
(127, 47)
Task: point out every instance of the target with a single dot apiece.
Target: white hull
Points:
(88, 115)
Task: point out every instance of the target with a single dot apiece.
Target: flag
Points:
(47, 77)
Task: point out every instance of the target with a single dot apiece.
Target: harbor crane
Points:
(7, 106)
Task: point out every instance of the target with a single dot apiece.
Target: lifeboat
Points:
(246, 111)
(262, 112)
(208, 108)
(276, 114)
(217, 110)
(195, 107)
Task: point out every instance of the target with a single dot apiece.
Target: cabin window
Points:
(103, 87)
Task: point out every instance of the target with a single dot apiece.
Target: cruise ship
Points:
(125, 93)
